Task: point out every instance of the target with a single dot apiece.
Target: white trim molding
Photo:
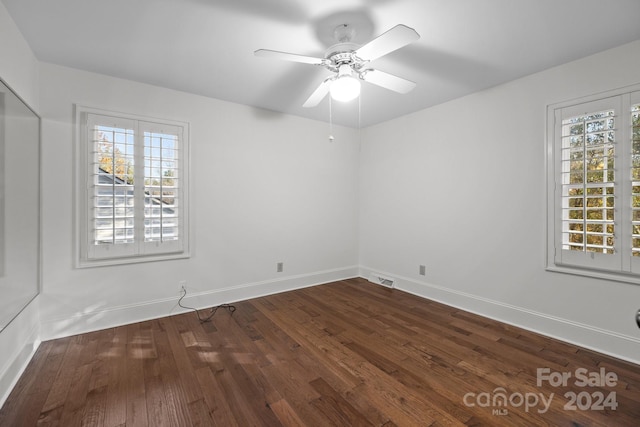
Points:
(611, 343)
(122, 315)
(20, 339)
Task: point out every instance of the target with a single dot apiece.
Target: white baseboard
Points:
(126, 314)
(17, 361)
(603, 341)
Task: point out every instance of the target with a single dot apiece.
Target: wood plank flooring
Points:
(348, 353)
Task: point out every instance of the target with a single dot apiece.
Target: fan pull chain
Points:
(360, 121)
(360, 111)
(331, 138)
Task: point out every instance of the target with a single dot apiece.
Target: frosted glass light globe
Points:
(345, 88)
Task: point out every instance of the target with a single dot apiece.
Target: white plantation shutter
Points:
(587, 185)
(110, 190)
(634, 167)
(134, 194)
(162, 187)
(594, 185)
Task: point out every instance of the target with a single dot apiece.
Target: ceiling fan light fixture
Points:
(345, 88)
(348, 60)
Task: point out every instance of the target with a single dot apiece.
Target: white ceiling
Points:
(206, 46)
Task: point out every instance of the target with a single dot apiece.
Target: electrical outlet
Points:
(182, 286)
(280, 267)
(423, 270)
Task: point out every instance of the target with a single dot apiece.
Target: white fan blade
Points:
(393, 39)
(387, 81)
(289, 57)
(319, 94)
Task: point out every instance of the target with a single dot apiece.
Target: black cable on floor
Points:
(231, 308)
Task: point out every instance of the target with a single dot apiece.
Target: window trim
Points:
(552, 222)
(81, 210)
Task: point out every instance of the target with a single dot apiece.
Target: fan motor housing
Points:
(341, 53)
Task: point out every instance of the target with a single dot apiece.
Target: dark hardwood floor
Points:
(348, 353)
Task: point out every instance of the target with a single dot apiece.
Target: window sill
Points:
(595, 274)
(106, 262)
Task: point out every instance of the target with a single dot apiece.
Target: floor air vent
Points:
(381, 280)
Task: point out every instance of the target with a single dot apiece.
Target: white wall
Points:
(19, 69)
(460, 188)
(265, 188)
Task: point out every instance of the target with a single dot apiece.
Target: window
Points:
(132, 188)
(594, 186)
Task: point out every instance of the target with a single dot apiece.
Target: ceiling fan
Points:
(349, 63)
